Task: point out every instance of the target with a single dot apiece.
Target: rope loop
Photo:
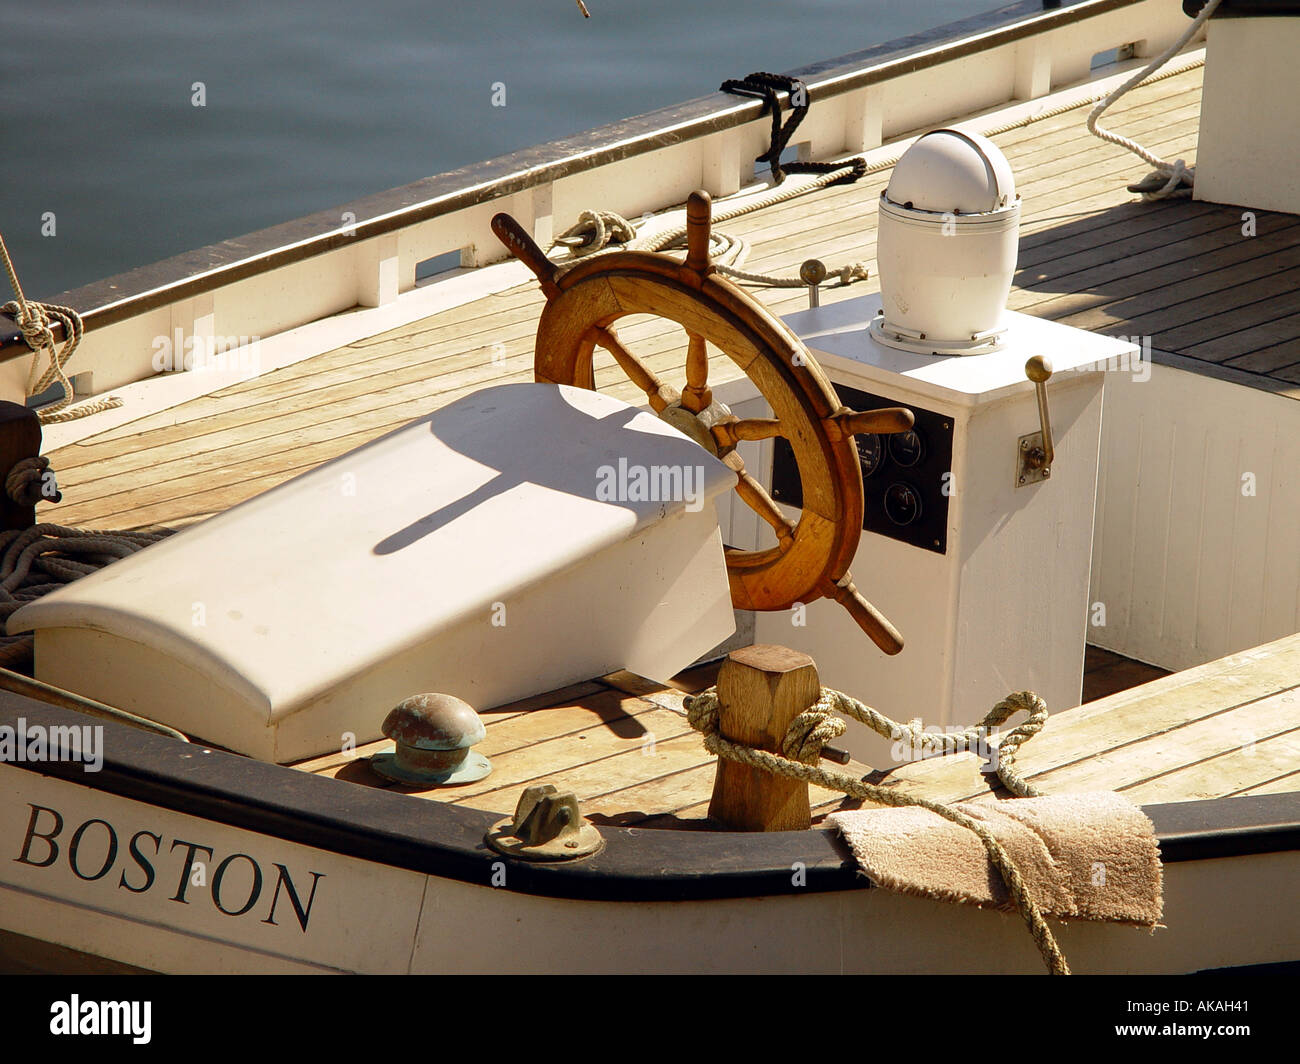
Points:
(809, 732)
(596, 230)
(764, 86)
(1168, 180)
(26, 481)
(34, 320)
(801, 749)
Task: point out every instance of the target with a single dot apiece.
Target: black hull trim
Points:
(636, 865)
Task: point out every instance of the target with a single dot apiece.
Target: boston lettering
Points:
(97, 852)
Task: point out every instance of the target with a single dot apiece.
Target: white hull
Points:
(370, 917)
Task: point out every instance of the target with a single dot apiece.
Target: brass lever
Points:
(1037, 451)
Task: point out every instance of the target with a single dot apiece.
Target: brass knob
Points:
(813, 273)
(1038, 369)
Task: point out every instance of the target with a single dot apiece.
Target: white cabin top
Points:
(288, 596)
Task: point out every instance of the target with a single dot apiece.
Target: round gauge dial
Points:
(907, 448)
(871, 452)
(902, 503)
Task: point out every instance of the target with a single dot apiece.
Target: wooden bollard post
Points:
(20, 437)
(761, 689)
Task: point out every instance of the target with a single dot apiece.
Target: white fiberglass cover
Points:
(522, 538)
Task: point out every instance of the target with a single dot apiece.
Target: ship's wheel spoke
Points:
(697, 395)
(660, 395)
(876, 625)
(887, 419)
(730, 433)
(755, 496)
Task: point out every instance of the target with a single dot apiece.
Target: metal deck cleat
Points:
(547, 826)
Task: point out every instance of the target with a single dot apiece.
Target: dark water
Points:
(311, 104)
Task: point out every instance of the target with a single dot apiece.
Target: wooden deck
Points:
(622, 744)
(1091, 255)
(1221, 730)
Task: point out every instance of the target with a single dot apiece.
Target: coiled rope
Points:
(595, 231)
(808, 732)
(37, 560)
(31, 480)
(1169, 180)
(34, 319)
(765, 86)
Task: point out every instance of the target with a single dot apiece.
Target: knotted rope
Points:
(764, 86)
(40, 559)
(27, 482)
(1169, 180)
(808, 732)
(34, 320)
(596, 231)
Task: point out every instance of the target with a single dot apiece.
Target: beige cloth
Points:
(1090, 856)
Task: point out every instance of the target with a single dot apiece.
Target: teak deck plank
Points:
(1287, 783)
(1104, 275)
(1235, 771)
(1128, 738)
(1263, 324)
(1196, 298)
(1127, 282)
(550, 758)
(594, 780)
(1162, 756)
(660, 796)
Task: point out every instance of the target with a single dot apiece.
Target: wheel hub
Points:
(697, 426)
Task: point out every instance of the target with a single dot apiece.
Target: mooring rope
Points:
(595, 232)
(34, 319)
(31, 480)
(1169, 180)
(764, 86)
(40, 559)
(808, 732)
(37, 560)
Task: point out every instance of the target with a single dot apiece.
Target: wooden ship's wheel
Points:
(811, 558)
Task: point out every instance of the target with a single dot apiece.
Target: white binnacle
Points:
(947, 240)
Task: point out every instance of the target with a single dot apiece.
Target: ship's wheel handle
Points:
(812, 557)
